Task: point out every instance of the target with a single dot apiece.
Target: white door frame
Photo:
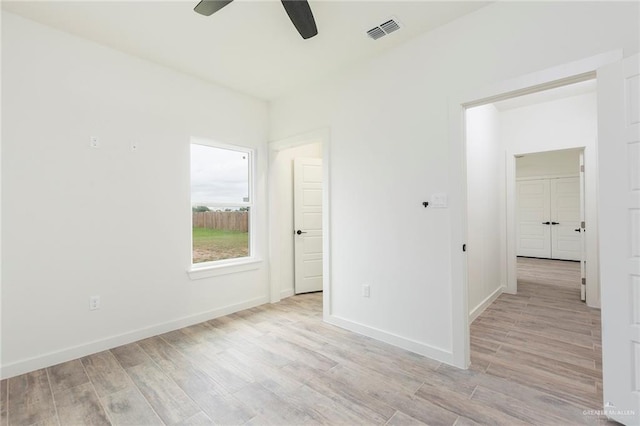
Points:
(543, 80)
(322, 136)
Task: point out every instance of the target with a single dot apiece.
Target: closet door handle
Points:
(555, 223)
(546, 223)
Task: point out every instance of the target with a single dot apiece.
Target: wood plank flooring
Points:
(535, 360)
(545, 339)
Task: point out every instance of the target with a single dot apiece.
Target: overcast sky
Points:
(218, 175)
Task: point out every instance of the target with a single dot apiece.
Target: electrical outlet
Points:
(366, 290)
(94, 142)
(94, 303)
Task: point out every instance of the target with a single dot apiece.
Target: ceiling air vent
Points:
(376, 33)
(383, 29)
(390, 26)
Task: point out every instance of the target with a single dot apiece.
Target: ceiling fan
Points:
(298, 10)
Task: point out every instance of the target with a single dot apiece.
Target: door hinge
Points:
(582, 168)
(584, 281)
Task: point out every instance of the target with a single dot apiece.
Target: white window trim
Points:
(223, 267)
(215, 268)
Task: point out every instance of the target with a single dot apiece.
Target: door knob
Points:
(577, 229)
(299, 232)
(546, 223)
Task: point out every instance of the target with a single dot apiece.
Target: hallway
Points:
(544, 337)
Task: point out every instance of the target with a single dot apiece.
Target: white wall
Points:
(79, 221)
(485, 208)
(549, 164)
(550, 126)
(563, 124)
(389, 120)
(281, 184)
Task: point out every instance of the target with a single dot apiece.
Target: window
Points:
(221, 202)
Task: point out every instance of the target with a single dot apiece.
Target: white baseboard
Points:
(68, 354)
(286, 293)
(475, 312)
(393, 339)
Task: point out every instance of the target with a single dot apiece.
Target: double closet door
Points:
(548, 218)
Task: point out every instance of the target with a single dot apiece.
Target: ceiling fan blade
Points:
(209, 7)
(300, 14)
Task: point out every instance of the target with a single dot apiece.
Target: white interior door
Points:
(549, 213)
(619, 221)
(534, 222)
(581, 230)
(307, 218)
(565, 218)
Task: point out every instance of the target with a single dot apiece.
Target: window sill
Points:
(207, 271)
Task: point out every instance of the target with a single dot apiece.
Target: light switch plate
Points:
(366, 290)
(439, 200)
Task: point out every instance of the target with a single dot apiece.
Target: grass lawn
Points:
(218, 244)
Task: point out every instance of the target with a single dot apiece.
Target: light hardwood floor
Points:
(536, 360)
(544, 338)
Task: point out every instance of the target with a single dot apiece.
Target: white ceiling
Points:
(249, 45)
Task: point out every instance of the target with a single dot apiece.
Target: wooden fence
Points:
(229, 221)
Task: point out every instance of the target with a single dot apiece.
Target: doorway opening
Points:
(531, 188)
(530, 191)
(550, 217)
(298, 219)
(617, 122)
